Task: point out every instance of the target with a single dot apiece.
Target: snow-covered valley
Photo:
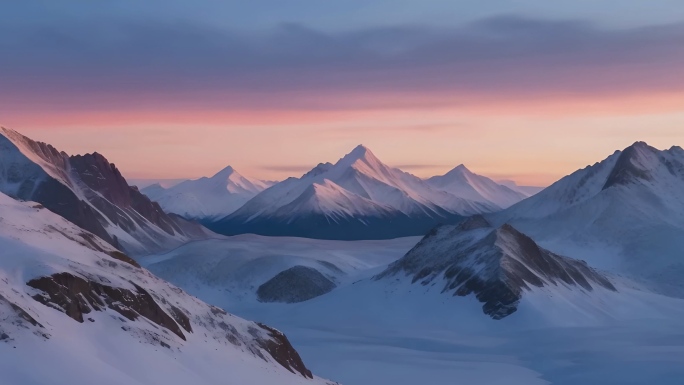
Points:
(577, 284)
(378, 331)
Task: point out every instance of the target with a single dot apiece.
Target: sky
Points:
(528, 90)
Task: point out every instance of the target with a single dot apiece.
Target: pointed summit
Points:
(208, 197)
(362, 157)
(224, 173)
(462, 182)
(635, 162)
(461, 169)
(358, 153)
(360, 150)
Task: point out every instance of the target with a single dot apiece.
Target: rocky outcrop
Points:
(105, 179)
(76, 296)
(496, 265)
(296, 284)
(280, 348)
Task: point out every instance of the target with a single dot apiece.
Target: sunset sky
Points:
(529, 90)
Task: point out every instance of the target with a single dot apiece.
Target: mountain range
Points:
(623, 215)
(600, 246)
(360, 197)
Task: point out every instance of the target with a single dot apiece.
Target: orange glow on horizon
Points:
(533, 140)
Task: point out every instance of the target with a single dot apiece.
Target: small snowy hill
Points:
(625, 214)
(496, 265)
(90, 192)
(74, 310)
(207, 198)
(236, 267)
(358, 197)
(463, 183)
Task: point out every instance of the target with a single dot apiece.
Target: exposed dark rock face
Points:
(119, 256)
(296, 284)
(62, 201)
(639, 161)
(625, 169)
(280, 348)
(104, 178)
(495, 265)
(76, 296)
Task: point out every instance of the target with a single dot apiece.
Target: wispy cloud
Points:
(114, 64)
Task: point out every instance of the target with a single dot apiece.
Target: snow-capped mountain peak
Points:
(635, 162)
(363, 160)
(225, 173)
(208, 197)
(460, 169)
(462, 182)
(359, 187)
(360, 152)
(630, 204)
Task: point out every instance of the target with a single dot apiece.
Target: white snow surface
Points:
(207, 198)
(635, 227)
(358, 184)
(368, 332)
(464, 183)
(236, 266)
(37, 243)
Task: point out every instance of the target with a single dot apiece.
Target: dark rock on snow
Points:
(296, 284)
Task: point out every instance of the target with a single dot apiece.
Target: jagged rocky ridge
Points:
(53, 269)
(496, 265)
(91, 193)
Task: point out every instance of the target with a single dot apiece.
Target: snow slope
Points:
(74, 310)
(400, 332)
(499, 266)
(625, 214)
(235, 267)
(207, 198)
(90, 192)
(358, 197)
(463, 183)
